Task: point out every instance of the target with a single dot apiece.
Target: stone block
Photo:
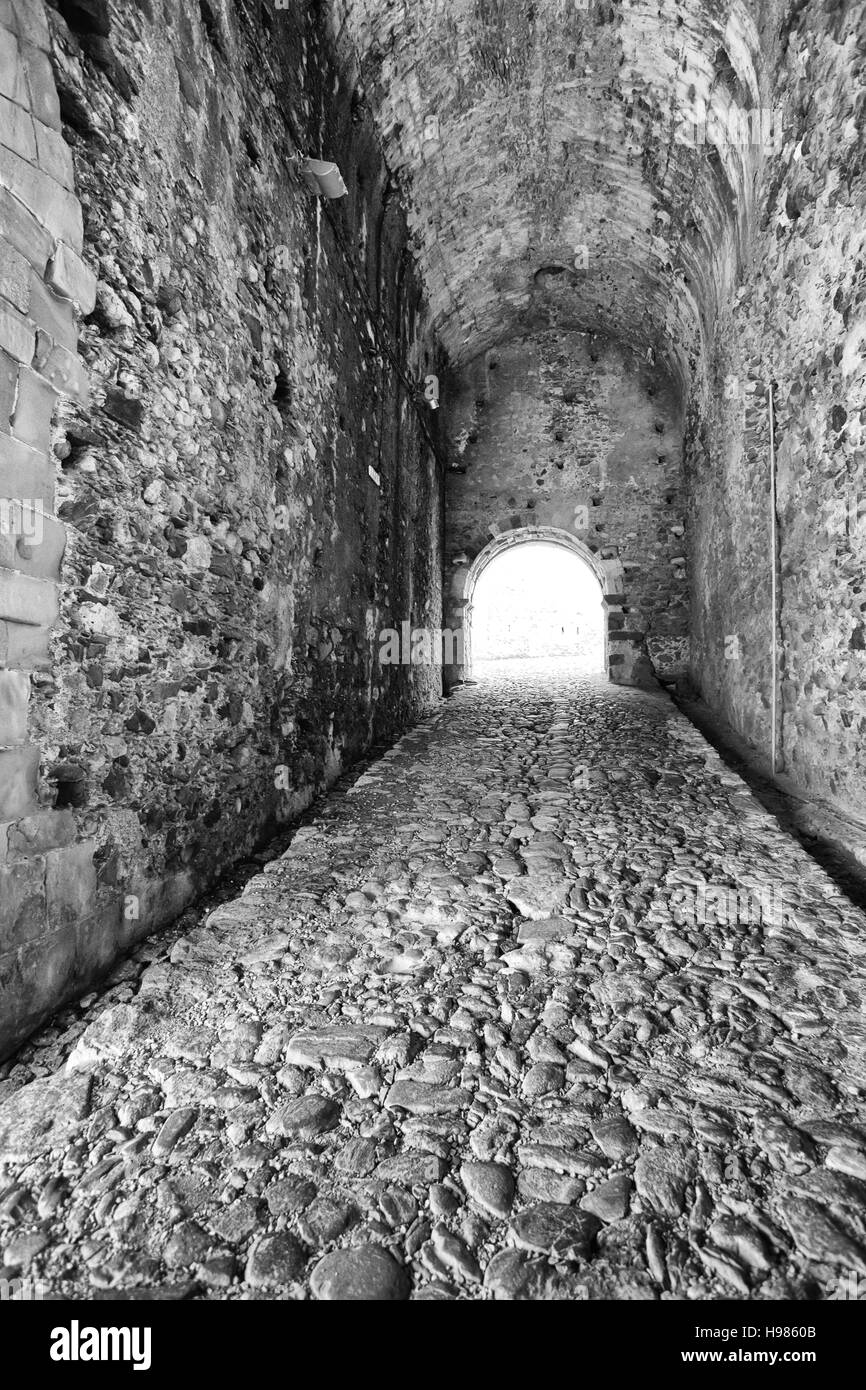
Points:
(24, 648)
(8, 386)
(46, 975)
(53, 155)
(22, 903)
(41, 86)
(19, 769)
(98, 939)
(31, 602)
(29, 22)
(23, 231)
(38, 549)
(62, 369)
(26, 472)
(17, 337)
(14, 697)
(70, 883)
(56, 208)
(11, 1001)
(41, 832)
(16, 129)
(12, 80)
(15, 275)
(69, 276)
(51, 312)
(34, 408)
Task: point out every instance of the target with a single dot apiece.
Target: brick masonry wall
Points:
(572, 431)
(798, 321)
(225, 559)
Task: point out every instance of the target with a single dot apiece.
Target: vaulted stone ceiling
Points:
(522, 133)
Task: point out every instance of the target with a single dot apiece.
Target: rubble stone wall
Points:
(796, 327)
(208, 387)
(572, 432)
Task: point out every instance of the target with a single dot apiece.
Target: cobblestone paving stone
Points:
(504, 1022)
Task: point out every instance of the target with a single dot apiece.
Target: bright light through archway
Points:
(538, 601)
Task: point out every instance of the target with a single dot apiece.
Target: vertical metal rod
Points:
(773, 601)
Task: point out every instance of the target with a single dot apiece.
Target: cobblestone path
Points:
(544, 1007)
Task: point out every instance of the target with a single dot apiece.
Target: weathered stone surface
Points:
(366, 1272)
(325, 1220)
(305, 1117)
(610, 1200)
(421, 1099)
(819, 1237)
(187, 1245)
(42, 1115)
(274, 1261)
(290, 1194)
(661, 1176)
(546, 929)
(615, 1137)
(552, 1229)
(411, 1168)
(538, 895)
(178, 1124)
(196, 603)
(512, 1276)
(346, 1048)
(491, 1185)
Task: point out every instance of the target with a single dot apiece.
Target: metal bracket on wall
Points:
(774, 647)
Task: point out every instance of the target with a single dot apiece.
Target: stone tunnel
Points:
(595, 278)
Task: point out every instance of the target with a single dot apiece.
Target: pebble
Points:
(661, 1176)
(412, 1168)
(367, 1272)
(174, 1129)
(275, 1261)
(549, 1228)
(609, 1201)
(491, 1185)
(307, 1116)
(291, 1194)
(418, 1098)
(512, 1276)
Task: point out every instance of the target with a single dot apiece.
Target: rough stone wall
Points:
(230, 558)
(572, 431)
(798, 323)
(47, 875)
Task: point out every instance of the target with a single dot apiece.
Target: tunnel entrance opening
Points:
(534, 599)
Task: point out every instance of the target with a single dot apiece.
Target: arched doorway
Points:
(536, 601)
(607, 573)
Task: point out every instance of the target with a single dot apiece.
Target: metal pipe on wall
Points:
(773, 581)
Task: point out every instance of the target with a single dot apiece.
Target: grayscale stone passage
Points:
(351, 352)
(544, 1006)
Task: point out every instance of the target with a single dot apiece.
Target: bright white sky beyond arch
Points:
(538, 600)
